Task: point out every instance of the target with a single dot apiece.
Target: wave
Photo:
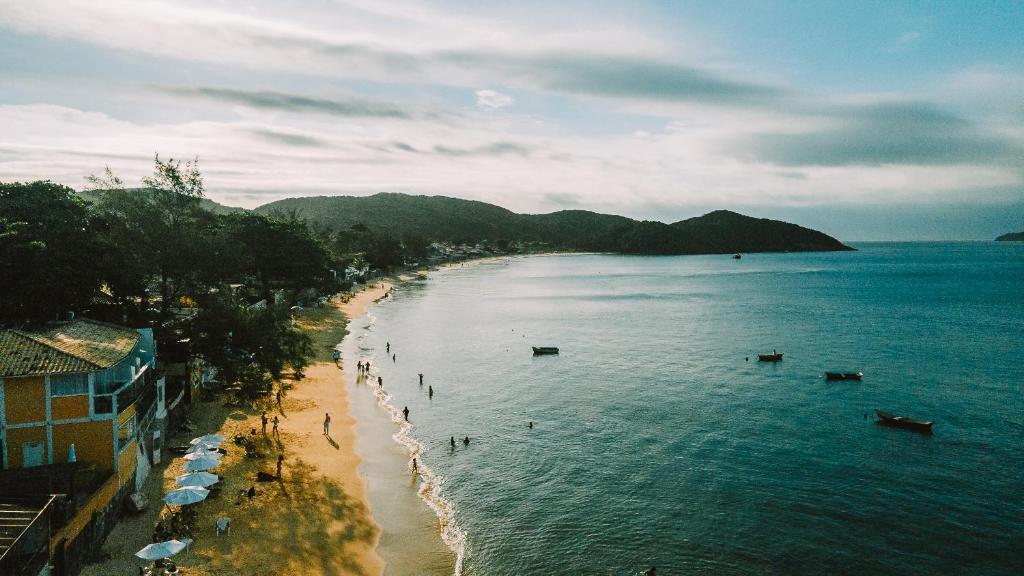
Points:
(431, 483)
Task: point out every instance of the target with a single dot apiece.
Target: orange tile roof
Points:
(70, 347)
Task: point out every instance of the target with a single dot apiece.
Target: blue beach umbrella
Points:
(201, 464)
(186, 495)
(160, 550)
(204, 479)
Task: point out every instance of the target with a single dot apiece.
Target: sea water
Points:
(658, 439)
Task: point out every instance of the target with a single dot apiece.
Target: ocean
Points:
(658, 439)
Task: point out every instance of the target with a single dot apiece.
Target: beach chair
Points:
(223, 525)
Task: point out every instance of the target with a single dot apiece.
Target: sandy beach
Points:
(315, 521)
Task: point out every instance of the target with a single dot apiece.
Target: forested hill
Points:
(456, 220)
(1011, 237)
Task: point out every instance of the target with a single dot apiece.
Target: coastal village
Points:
(125, 450)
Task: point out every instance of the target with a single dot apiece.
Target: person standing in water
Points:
(405, 412)
(531, 425)
(430, 391)
(394, 357)
(453, 441)
(380, 382)
(421, 379)
(465, 441)
(389, 346)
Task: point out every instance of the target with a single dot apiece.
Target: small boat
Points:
(773, 357)
(542, 350)
(737, 256)
(843, 375)
(903, 422)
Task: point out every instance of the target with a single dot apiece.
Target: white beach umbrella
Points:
(214, 439)
(201, 464)
(202, 446)
(201, 454)
(161, 550)
(186, 495)
(204, 479)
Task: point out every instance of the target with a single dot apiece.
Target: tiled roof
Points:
(77, 346)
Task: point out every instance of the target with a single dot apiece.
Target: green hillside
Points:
(1011, 237)
(205, 203)
(455, 220)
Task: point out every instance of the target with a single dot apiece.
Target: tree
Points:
(278, 249)
(160, 233)
(250, 347)
(48, 249)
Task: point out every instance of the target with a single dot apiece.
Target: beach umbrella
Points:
(204, 454)
(204, 479)
(161, 550)
(201, 446)
(201, 464)
(186, 495)
(214, 439)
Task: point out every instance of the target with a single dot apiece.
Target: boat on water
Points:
(844, 375)
(737, 256)
(904, 422)
(773, 357)
(544, 350)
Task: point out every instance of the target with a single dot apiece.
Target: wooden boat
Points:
(774, 357)
(737, 256)
(844, 375)
(903, 422)
(542, 350)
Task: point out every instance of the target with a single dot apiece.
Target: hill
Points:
(455, 220)
(205, 203)
(1011, 237)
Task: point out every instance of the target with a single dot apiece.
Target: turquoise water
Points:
(656, 442)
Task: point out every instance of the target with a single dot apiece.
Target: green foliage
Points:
(48, 249)
(249, 347)
(281, 251)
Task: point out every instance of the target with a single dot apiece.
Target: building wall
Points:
(69, 407)
(18, 436)
(24, 400)
(92, 440)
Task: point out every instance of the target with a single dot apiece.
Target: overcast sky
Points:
(885, 120)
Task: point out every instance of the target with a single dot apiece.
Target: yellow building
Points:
(80, 384)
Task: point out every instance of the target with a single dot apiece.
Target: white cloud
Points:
(492, 99)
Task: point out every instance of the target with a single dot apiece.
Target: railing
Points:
(29, 552)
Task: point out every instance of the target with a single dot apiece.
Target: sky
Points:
(866, 120)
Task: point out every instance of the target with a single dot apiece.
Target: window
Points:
(69, 384)
(125, 434)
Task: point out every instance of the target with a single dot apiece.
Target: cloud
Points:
(269, 100)
(886, 133)
(909, 38)
(492, 100)
(289, 138)
(493, 149)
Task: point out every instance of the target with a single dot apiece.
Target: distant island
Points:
(445, 219)
(1011, 237)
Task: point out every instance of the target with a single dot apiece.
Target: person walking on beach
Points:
(415, 468)
(380, 382)
(336, 355)
(278, 397)
(430, 391)
(405, 411)
(359, 366)
(327, 424)
(275, 431)
(264, 420)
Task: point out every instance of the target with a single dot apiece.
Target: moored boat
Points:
(844, 375)
(904, 422)
(542, 350)
(773, 357)
(737, 256)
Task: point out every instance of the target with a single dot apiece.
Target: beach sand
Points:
(317, 521)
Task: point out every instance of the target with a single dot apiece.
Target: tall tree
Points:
(48, 249)
(278, 249)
